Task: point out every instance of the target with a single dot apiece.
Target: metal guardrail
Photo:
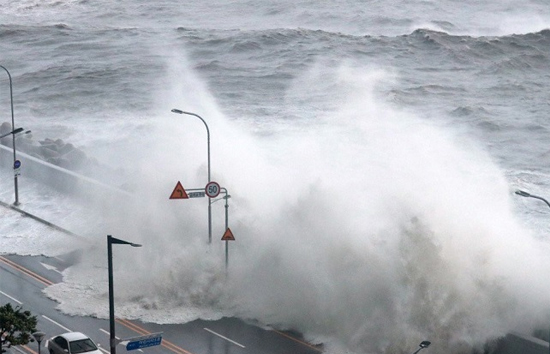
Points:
(45, 222)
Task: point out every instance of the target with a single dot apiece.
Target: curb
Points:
(32, 216)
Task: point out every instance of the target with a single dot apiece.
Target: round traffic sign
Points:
(212, 189)
(16, 164)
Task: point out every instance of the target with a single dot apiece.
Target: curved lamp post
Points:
(13, 127)
(38, 336)
(529, 195)
(178, 111)
(422, 345)
(110, 241)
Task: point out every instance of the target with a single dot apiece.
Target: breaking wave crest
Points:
(367, 229)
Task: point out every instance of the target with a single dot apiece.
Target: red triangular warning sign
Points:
(179, 192)
(228, 235)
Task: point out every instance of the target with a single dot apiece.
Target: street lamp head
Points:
(111, 239)
(425, 344)
(179, 111)
(522, 193)
(38, 336)
(13, 132)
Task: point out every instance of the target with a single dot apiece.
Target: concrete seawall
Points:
(58, 177)
(516, 343)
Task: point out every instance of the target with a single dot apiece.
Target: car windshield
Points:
(81, 346)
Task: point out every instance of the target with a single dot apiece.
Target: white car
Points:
(72, 343)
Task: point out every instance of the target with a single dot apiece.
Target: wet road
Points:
(22, 280)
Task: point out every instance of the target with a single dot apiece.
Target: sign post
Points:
(228, 235)
(212, 190)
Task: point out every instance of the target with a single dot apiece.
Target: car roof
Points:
(71, 336)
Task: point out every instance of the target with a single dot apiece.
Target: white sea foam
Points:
(368, 229)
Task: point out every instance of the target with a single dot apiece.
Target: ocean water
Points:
(371, 150)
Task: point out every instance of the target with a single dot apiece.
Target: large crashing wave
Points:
(368, 229)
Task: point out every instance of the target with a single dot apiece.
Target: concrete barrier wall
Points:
(516, 343)
(58, 177)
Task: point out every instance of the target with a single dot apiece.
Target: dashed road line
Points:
(12, 298)
(223, 337)
(55, 323)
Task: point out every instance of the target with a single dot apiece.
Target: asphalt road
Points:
(22, 280)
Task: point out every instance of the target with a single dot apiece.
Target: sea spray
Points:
(368, 228)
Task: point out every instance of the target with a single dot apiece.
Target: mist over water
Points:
(368, 229)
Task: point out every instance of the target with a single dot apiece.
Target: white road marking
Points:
(107, 333)
(50, 267)
(52, 321)
(227, 339)
(18, 349)
(103, 350)
(14, 299)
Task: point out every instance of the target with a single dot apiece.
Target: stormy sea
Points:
(371, 151)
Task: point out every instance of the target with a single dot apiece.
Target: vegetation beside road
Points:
(16, 326)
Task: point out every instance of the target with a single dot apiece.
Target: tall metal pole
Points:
(226, 226)
(208, 156)
(529, 195)
(112, 342)
(110, 241)
(13, 127)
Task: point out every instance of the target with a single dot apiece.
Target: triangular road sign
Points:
(228, 235)
(179, 192)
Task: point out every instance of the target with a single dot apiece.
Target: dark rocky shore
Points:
(54, 151)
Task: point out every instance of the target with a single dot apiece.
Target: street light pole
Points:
(13, 127)
(529, 195)
(110, 241)
(38, 336)
(178, 111)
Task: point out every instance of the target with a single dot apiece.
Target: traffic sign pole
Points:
(227, 228)
(212, 190)
(228, 235)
